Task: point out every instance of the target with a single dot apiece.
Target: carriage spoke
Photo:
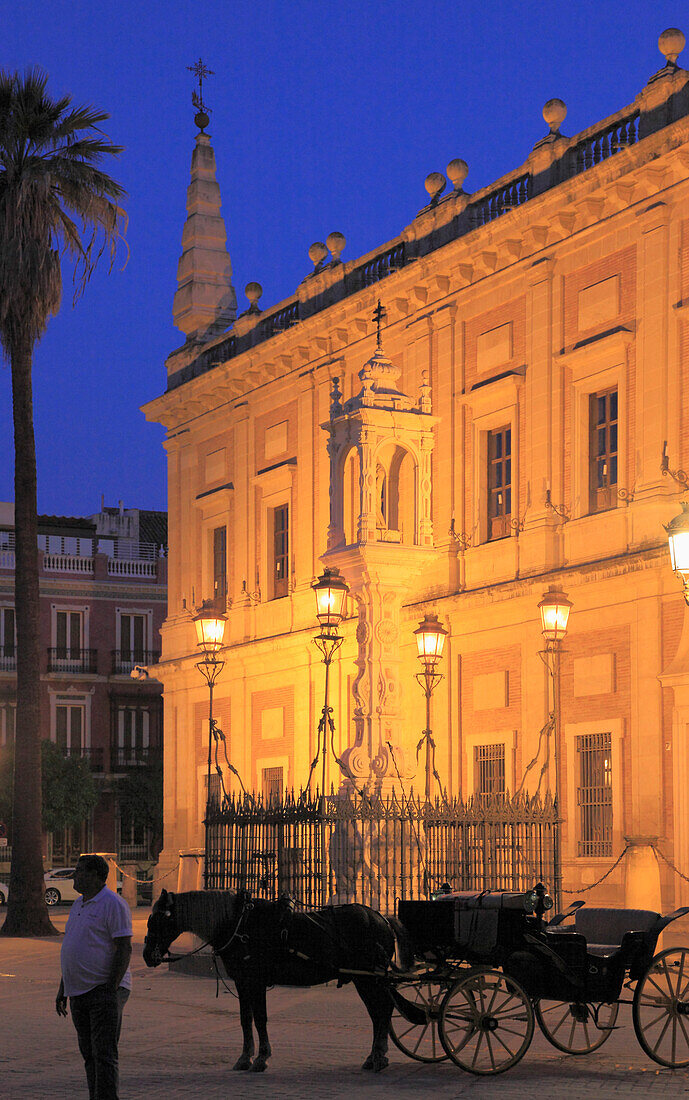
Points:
(554, 1029)
(478, 1047)
(490, 1050)
(662, 1035)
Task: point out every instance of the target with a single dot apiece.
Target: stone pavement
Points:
(179, 1041)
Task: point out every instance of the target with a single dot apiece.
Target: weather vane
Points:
(200, 71)
(379, 315)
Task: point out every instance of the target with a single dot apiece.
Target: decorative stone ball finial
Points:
(671, 43)
(336, 243)
(457, 171)
(253, 292)
(435, 185)
(201, 119)
(555, 113)
(317, 253)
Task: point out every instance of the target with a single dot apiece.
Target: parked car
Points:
(59, 886)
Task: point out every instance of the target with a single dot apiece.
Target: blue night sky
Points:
(326, 116)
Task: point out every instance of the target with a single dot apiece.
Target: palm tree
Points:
(55, 202)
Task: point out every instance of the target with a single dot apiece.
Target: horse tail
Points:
(403, 958)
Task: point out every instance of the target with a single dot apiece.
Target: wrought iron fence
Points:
(374, 850)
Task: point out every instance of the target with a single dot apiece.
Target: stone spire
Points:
(205, 301)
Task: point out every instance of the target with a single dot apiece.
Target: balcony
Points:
(134, 756)
(72, 661)
(8, 658)
(94, 756)
(124, 660)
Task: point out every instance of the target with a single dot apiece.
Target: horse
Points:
(264, 943)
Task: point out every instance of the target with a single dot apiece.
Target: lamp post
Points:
(555, 609)
(678, 541)
(210, 633)
(430, 642)
(330, 591)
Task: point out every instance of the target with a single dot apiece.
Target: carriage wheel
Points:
(414, 1022)
(660, 1010)
(486, 1022)
(576, 1027)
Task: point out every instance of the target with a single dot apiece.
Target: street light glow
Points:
(555, 609)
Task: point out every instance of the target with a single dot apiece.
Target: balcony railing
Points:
(500, 201)
(61, 659)
(67, 563)
(605, 143)
(133, 756)
(124, 660)
(93, 755)
(8, 658)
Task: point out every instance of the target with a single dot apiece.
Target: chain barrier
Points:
(146, 881)
(669, 863)
(585, 889)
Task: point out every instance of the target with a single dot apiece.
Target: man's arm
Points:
(123, 953)
(61, 1000)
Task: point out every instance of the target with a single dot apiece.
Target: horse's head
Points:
(161, 931)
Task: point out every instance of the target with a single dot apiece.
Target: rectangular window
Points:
(69, 728)
(8, 640)
(489, 770)
(602, 450)
(280, 551)
(133, 638)
(68, 636)
(133, 736)
(594, 794)
(499, 483)
(220, 566)
(271, 784)
(8, 713)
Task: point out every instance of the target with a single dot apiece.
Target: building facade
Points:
(103, 588)
(519, 429)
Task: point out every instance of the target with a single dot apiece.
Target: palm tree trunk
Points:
(26, 911)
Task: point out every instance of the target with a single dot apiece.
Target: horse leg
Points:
(258, 1003)
(378, 1002)
(246, 1018)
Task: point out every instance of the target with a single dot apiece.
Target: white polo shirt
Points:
(88, 950)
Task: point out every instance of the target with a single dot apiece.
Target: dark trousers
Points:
(97, 1016)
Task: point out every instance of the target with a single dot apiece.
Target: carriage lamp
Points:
(430, 641)
(554, 609)
(210, 634)
(678, 541)
(330, 591)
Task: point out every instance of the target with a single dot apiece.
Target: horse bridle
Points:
(160, 957)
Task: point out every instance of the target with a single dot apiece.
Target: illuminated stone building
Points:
(506, 439)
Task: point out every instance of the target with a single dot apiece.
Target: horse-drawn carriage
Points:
(476, 971)
(488, 966)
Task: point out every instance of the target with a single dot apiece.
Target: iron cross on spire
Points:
(379, 315)
(200, 71)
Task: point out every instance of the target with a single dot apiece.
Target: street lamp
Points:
(330, 591)
(678, 540)
(430, 642)
(210, 633)
(555, 609)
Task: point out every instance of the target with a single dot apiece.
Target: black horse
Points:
(264, 943)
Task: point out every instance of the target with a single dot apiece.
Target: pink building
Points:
(103, 587)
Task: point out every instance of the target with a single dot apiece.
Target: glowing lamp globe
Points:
(210, 630)
(331, 592)
(430, 641)
(678, 540)
(554, 609)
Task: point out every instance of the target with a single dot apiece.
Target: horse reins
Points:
(247, 906)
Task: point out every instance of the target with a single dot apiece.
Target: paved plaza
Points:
(180, 1041)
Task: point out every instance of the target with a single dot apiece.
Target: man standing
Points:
(95, 973)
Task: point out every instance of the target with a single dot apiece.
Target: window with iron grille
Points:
(489, 770)
(220, 566)
(271, 783)
(602, 450)
(594, 794)
(280, 550)
(499, 482)
(8, 639)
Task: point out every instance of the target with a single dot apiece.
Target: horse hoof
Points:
(375, 1063)
(242, 1063)
(259, 1067)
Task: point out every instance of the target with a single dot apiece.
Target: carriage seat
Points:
(605, 929)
